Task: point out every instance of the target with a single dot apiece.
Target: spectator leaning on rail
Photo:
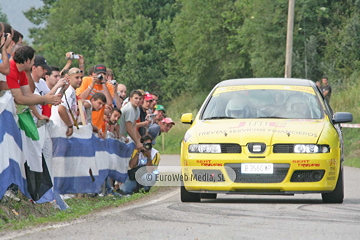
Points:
(112, 127)
(4, 57)
(66, 114)
(96, 103)
(96, 83)
(18, 83)
(127, 121)
(155, 129)
(159, 113)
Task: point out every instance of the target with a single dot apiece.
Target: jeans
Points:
(129, 186)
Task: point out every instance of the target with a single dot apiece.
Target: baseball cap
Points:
(168, 120)
(100, 69)
(147, 97)
(160, 108)
(41, 61)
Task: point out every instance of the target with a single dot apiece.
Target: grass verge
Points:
(19, 215)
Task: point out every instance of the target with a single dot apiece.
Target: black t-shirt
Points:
(142, 130)
(326, 88)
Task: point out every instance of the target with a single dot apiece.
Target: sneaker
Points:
(68, 196)
(115, 194)
(10, 194)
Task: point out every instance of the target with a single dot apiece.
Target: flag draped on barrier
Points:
(76, 164)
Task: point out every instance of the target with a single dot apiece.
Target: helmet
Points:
(237, 108)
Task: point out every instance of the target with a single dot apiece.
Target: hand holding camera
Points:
(5, 40)
(71, 55)
(147, 148)
(101, 78)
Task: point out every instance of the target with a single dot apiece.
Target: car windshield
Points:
(260, 102)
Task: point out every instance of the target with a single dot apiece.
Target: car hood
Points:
(268, 131)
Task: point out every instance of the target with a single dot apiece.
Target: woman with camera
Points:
(142, 166)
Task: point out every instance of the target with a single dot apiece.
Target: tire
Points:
(188, 196)
(336, 196)
(208, 195)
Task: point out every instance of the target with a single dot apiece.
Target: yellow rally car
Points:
(263, 136)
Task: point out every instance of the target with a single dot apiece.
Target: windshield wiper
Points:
(218, 117)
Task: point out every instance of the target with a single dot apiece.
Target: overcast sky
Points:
(13, 10)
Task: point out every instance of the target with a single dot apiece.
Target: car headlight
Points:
(204, 148)
(311, 148)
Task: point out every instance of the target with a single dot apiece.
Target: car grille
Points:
(230, 148)
(283, 148)
(280, 171)
(261, 145)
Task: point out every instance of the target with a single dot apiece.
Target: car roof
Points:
(267, 81)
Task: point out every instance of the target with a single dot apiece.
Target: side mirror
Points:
(342, 117)
(187, 118)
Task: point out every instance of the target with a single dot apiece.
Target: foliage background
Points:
(175, 46)
(182, 48)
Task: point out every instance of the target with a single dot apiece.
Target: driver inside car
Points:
(237, 108)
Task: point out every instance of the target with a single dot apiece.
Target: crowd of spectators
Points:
(69, 98)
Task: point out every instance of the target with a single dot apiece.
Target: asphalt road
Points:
(163, 216)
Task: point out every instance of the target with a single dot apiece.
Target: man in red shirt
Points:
(18, 83)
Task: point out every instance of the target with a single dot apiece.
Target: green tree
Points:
(3, 17)
(204, 40)
(134, 44)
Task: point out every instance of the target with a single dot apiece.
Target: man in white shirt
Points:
(66, 114)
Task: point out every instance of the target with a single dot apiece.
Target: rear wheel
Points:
(336, 196)
(187, 196)
(208, 195)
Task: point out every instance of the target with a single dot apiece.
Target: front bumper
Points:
(293, 173)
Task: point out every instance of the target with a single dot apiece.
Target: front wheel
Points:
(336, 196)
(187, 196)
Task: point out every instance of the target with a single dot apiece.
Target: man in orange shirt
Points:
(93, 84)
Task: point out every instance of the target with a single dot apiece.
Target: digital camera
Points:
(147, 146)
(74, 56)
(100, 77)
(151, 116)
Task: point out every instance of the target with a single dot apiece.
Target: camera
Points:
(151, 116)
(74, 56)
(113, 82)
(100, 77)
(5, 35)
(147, 146)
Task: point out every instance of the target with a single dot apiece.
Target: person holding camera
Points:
(149, 157)
(93, 84)
(69, 56)
(146, 115)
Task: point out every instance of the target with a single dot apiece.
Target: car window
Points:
(263, 103)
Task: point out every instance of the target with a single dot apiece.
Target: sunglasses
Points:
(75, 72)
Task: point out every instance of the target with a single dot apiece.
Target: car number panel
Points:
(257, 168)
